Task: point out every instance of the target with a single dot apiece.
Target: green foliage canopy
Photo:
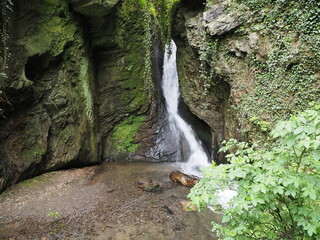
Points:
(278, 184)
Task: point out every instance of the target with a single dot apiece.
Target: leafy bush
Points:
(278, 184)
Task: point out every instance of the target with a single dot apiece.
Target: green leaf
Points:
(311, 231)
(296, 183)
(298, 130)
(239, 173)
(306, 144)
(268, 183)
(316, 144)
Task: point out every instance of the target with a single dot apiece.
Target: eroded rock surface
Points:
(50, 122)
(95, 8)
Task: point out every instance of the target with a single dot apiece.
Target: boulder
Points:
(223, 24)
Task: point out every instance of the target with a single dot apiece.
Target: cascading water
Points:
(179, 127)
(170, 88)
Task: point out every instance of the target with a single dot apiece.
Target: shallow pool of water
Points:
(102, 202)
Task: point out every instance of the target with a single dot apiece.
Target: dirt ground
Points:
(102, 203)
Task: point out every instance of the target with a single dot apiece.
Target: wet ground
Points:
(104, 203)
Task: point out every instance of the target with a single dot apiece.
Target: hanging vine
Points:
(6, 7)
(147, 41)
(165, 9)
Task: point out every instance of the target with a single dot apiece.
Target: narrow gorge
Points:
(84, 84)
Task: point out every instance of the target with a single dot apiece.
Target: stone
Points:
(167, 210)
(184, 179)
(93, 8)
(213, 13)
(150, 186)
(194, 31)
(240, 47)
(223, 24)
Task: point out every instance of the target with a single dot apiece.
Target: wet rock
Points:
(149, 186)
(128, 115)
(184, 179)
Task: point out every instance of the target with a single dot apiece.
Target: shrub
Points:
(278, 184)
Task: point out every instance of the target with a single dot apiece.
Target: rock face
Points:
(236, 74)
(84, 79)
(95, 8)
(82, 87)
(126, 95)
(218, 23)
(51, 121)
(76, 95)
(207, 93)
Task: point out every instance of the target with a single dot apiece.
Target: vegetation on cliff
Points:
(270, 60)
(6, 8)
(138, 25)
(289, 78)
(124, 134)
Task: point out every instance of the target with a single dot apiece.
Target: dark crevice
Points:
(201, 128)
(38, 65)
(194, 5)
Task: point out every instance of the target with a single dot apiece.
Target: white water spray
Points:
(170, 87)
(198, 158)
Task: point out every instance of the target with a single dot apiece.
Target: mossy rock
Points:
(125, 132)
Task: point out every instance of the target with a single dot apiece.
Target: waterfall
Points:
(180, 128)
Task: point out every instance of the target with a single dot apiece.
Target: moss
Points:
(136, 95)
(134, 35)
(131, 37)
(36, 181)
(164, 10)
(33, 155)
(184, 56)
(87, 91)
(63, 136)
(78, 86)
(38, 154)
(53, 31)
(125, 132)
